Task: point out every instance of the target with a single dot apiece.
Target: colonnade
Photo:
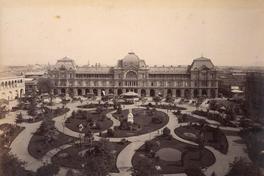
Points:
(148, 92)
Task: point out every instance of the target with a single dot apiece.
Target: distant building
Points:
(31, 80)
(132, 74)
(30, 85)
(36, 74)
(11, 87)
(255, 95)
(230, 80)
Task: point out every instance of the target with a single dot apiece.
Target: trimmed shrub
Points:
(166, 131)
(110, 132)
(149, 146)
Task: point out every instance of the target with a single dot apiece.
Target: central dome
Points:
(131, 59)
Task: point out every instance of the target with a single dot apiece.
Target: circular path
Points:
(124, 159)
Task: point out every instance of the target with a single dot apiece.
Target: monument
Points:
(130, 117)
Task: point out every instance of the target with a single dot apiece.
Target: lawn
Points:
(71, 157)
(90, 120)
(213, 137)
(48, 113)
(46, 140)
(174, 156)
(143, 119)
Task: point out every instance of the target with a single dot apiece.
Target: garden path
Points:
(124, 160)
(19, 146)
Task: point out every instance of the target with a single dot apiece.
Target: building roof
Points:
(131, 59)
(168, 70)
(94, 70)
(10, 75)
(201, 63)
(65, 63)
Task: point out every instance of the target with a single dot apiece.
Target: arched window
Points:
(131, 75)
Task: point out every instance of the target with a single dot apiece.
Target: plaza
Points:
(128, 143)
(131, 88)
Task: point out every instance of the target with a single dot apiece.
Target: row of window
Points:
(203, 75)
(205, 83)
(136, 83)
(151, 76)
(168, 76)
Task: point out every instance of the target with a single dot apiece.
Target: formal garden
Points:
(143, 121)
(105, 129)
(102, 153)
(168, 155)
(204, 134)
(46, 138)
(82, 120)
(41, 114)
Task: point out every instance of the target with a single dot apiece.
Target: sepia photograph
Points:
(131, 87)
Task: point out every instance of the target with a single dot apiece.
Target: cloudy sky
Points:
(162, 32)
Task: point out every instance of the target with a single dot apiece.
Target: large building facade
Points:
(132, 74)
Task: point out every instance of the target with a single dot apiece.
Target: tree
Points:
(148, 146)
(201, 144)
(47, 170)
(166, 131)
(69, 173)
(241, 167)
(3, 111)
(145, 167)
(45, 85)
(11, 166)
(156, 99)
(213, 105)
(64, 102)
(194, 171)
(33, 104)
(73, 115)
(19, 118)
(169, 98)
(99, 161)
(110, 132)
(119, 109)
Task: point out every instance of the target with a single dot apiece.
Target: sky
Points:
(162, 32)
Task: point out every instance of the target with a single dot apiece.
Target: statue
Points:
(130, 117)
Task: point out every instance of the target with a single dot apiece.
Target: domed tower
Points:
(131, 60)
(130, 73)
